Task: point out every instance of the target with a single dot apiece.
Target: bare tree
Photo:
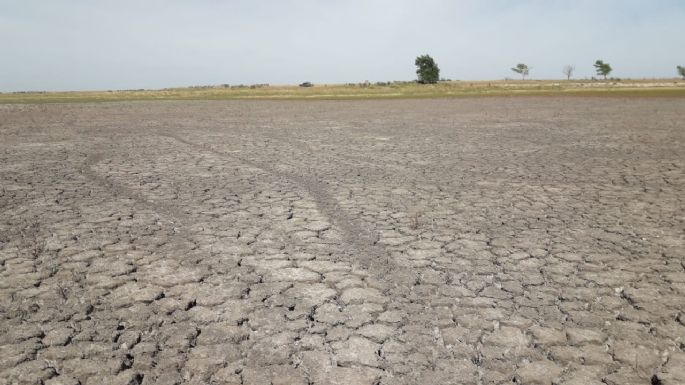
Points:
(568, 71)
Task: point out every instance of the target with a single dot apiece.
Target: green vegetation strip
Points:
(670, 88)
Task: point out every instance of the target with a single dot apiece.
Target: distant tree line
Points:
(428, 72)
(602, 68)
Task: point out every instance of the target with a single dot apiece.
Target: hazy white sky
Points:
(85, 44)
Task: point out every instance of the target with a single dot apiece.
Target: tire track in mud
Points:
(361, 240)
(115, 189)
(359, 243)
(358, 247)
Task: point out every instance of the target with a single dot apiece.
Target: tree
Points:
(427, 70)
(522, 69)
(603, 68)
(681, 71)
(568, 71)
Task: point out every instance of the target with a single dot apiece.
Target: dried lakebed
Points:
(466, 241)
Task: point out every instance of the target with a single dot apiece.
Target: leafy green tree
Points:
(522, 69)
(603, 68)
(681, 71)
(427, 70)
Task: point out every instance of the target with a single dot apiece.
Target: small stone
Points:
(539, 373)
(226, 376)
(359, 295)
(423, 253)
(376, 332)
(329, 313)
(584, 336)
(595, 355)
(673, 372)
(349, 376)
(222, 332)
(548, 336)
(507, 337)
(454, 335)
(311, 294)
(128, 294)
(62, 380)
(317, 226)
(294, 274)
(636, 356)
(58, 337)
(129, 339)
(337, 333)
(391, 317)
(355, 351)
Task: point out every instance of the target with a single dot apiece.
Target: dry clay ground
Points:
(463, 241)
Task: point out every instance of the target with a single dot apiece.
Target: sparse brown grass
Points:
(623, 88)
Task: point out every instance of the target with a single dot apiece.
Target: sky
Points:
(133, 44)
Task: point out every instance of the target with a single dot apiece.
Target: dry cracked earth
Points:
(528, 241)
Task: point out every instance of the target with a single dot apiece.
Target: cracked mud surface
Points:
(468, 241)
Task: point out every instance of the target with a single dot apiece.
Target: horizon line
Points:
(365, 82)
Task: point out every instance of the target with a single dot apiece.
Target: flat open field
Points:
(385, 90)
(497, 240)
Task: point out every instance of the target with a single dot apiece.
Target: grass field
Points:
(651, 88)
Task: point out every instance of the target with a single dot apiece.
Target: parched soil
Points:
(464, 241)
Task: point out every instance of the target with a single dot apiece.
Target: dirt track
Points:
(464, 241)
